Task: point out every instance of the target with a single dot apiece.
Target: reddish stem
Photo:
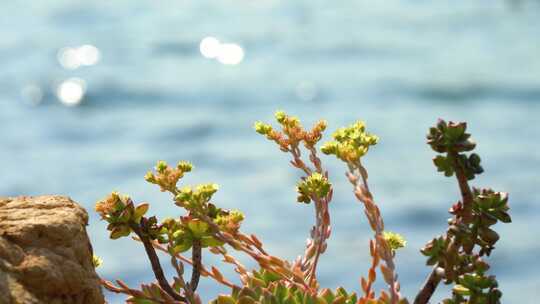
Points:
(430, 285)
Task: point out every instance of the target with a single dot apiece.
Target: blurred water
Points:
(399, 65)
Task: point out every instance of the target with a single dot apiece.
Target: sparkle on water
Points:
(394, 63)
(74, 57)
(71, 91)
(225, 53)
(209, 47)
(32, 94)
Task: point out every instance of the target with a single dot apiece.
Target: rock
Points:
(45, 253)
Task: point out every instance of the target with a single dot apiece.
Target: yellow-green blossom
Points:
(166, 177)
(262, 128)
(350, 143)
(96, 261)
(315, 185)
(394, 240)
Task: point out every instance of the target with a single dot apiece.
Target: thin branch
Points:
(179, 267)
(204, 271)
(319, 241)
(266, 261)
(154, 261)
(356, 172)
(429, 286)
(322, 218)
(196, 270)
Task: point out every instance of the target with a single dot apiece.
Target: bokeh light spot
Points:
(71, 92)
(73, 57)
(32, 94)
(225, 53)
(88, 54)
(230, 54)
(210, 47)
(68, 58)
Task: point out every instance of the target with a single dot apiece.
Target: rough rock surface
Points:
(45, 253)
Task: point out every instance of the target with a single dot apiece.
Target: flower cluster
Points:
(120, 212)
(229, 221)
(292, 132)
(197, 199)
(394, 240)
(315, 185)
(350, 143)
(167, 177)
(447, 137)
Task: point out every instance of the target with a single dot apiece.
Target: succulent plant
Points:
(265, 288)
(458, 256)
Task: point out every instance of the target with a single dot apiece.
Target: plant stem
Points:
(429, 286)
(466, 193)
(203, 271)
(318, 241)
(465, 216)
(322, 218)
(196, 271)
(154, 261)
(357, 171)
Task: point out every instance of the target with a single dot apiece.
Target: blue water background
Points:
(398, 65)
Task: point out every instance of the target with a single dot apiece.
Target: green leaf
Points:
(125, 215)
(503, 217)
(489, 235)
(461, 290)
(182, 246)
(289, 300)
(341, 292)
(340, 300)
(281, 292)
(209, 241)
(327, 295)
(140, 211)
(269, 276)
(198, 228)
(455, 132)
(308, 299)
(245, 300)
(120, 231)
(474, 164)
(444, 164)
(222, 299)
(257, 282)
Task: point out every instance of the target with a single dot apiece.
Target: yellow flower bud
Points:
(395, 240)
